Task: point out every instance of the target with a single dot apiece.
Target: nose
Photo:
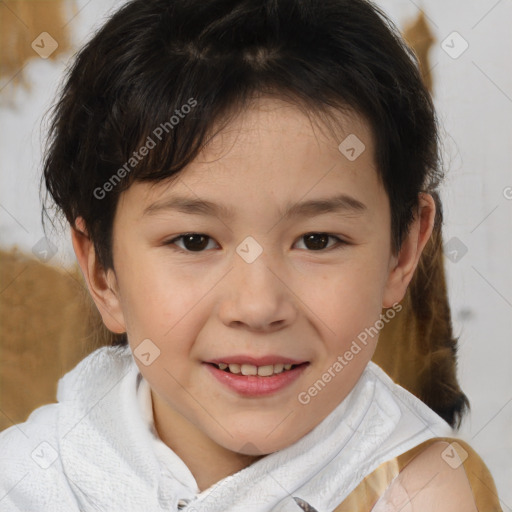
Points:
(256, 296)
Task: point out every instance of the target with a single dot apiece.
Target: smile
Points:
(252, 381)
(250, 369)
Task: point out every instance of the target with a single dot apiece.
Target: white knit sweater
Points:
(97, 450)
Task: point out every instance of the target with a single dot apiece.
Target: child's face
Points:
(301, 299)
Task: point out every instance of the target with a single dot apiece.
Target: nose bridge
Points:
(253, 272)
(257, 296)
(252, 265)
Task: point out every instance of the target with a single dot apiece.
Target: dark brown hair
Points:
(154, 57)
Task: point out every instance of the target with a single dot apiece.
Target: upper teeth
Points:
(250, 369)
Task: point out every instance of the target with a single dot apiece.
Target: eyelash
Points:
(340, 243)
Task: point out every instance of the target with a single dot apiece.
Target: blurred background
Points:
(464, 47)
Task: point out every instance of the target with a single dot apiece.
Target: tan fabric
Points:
(21, 23)
(367, 493)
(419, 37)
(44, 332)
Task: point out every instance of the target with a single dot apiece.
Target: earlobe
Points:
(102, 284)
(403, 266)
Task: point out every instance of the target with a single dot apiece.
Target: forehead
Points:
(271, 154)
(263, 115)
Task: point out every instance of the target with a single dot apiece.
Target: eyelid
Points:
(340, 242)
(180, 236)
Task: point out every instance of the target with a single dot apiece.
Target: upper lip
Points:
(256, 361)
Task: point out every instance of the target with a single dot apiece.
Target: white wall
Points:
(473, 94)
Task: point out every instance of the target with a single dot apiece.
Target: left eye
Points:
(197, 242)
(317, 240)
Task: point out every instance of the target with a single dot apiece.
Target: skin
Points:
(429, 483)
(294, 300)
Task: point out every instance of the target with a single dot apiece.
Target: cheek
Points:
(347, 296)
(156, 298)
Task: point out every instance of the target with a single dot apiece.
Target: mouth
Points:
(250, 380)
(261, 371)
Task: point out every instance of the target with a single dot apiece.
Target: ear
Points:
(102, 285)
(402, 267)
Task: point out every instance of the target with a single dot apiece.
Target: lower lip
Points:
(254, 385)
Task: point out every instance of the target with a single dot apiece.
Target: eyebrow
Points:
(341, 203)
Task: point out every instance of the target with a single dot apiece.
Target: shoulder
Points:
(442, 477)
(436, 480)
(31, 476)
(18, 440)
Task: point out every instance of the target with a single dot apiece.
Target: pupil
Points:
(323, 240)
(191, 246)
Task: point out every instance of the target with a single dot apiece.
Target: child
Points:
(295, 143)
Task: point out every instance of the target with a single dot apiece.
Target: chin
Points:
(256, 444)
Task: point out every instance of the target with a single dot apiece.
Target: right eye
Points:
(193, 242)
